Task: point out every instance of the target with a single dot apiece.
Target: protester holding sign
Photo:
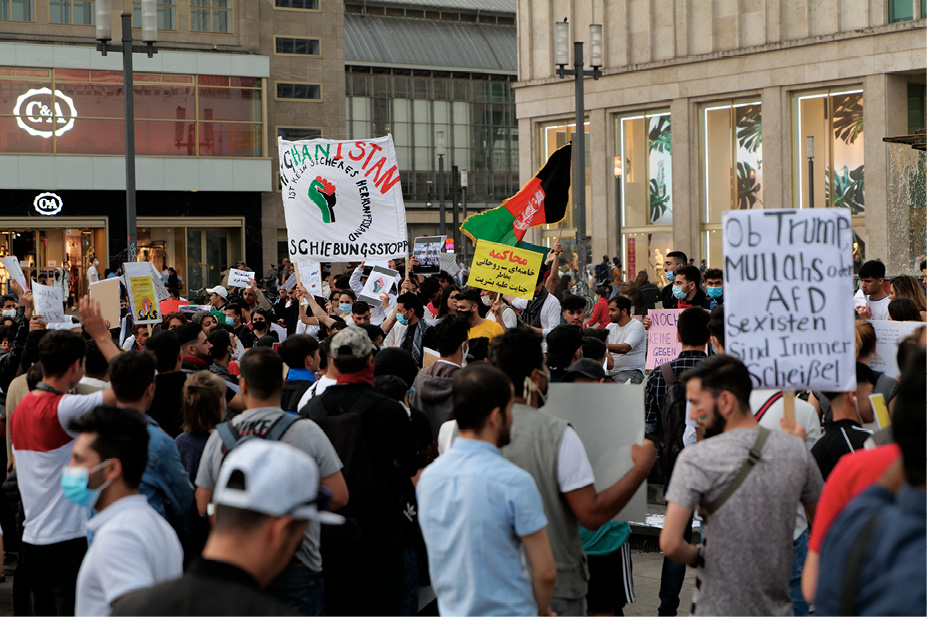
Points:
(872, 285)
(627, 342)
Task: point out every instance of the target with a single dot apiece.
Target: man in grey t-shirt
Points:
(261, 384)
(745, 561)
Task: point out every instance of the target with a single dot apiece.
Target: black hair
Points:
(593, 348)
(872, 269)
(908, 417)
(235, 307)
(518, 353)
(411, 301)
(478, 390)
(348, 292)
(429, 288)
(903, 309)
(121, 433)
(713, 273)
(221, 341)
(392, 386)
(622, 303)
(261, 311)
(723, 373)
(470, 294)
(95, 364)
(442, 307)
(691, 273)
(716, 323)
(360, 307)
(602, 290)
(60, 349)
(864, 374)
(34, 375)
(573, 303)
(924, 265)
(679, 256)
(373, 332)
(130, 374)
(325, 348)
(450, 334)
(6, 298)
(693, 326)
(187, 333)
(262, 369)
(296, 348)
(342, 283)
(479, 348)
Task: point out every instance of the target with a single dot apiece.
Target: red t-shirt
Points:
(599, 314)
(854, 473)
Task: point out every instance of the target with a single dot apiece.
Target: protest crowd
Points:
(284, 448)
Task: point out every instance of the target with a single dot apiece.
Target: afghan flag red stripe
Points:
(541, 201)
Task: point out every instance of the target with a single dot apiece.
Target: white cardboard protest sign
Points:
(379, 281)
(608, 418)
(13, 266)
(342, 200)
(48, 303)
(788, 284)
(159, 288)
(310, 274)
(240, 278)
(888, 333)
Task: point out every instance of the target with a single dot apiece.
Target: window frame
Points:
(298, 83)
(20, 21)
(290, 8)
(320, 129)
(70, 3)
(160, 4)
(318, 40)
(230, 11)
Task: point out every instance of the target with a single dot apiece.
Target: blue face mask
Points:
(678, 293)
(670, 276)
(714, 292)
(402, 319)
(345, 308)
(74, 485)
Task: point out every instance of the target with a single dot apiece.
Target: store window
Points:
(643, 173)
(16, 10)
(167, 14)
(70, 12)
(211, 16)
(310, 92)
(906, 10)
(295, 133)
(297, 46)
(308, 5)
(731, 136)
(554, 137)
(80, 111)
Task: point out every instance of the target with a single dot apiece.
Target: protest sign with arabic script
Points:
(143, 301)
(508, 269)
(788, 280)
(342, 200)
(240, 278)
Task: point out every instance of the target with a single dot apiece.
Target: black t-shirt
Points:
(840, 437)
(166, 407)
(208, 588)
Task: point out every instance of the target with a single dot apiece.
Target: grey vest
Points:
(535, 447)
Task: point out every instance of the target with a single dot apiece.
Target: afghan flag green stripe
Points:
(541, 201)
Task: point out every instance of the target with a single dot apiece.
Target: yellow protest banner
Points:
(142, 299)
(506, 269)
(881, 410)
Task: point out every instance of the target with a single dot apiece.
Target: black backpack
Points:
(673, 418)
(231, 438)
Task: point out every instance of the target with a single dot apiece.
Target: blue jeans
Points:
(300, 588)
(799, 606)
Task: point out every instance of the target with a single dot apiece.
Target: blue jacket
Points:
(165, 476)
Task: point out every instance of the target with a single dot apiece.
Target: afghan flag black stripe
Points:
(542, 201)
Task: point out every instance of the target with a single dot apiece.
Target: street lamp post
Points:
(464, 182)
(562, 38)
(454, 197)
(439, 149)
(618, 172)
(149, 37)
(809, 152)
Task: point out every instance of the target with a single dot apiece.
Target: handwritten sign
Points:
(662, 342)
(379, 281)
(508, 269)
(143, 302)
(788, 280)
(310, 274)
(159, 287)
(48, 302)
(15, 269)
(240, 278)
(290, 282)
(106, 292)
(888, 333)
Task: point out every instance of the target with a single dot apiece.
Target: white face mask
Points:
(530, 387)
(9, 312)
(486, 300)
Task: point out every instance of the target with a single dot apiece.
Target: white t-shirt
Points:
(131, 547)
(879, 308)
(315, 389)
(92, 275)
(634, 334)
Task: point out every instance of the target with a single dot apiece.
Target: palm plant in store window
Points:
(848, 184)
(659, 139)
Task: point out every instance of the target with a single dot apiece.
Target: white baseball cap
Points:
(279, 479)
(218, 289)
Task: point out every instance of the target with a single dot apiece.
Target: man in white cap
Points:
(266, 495)
(217, 297)
(261, 383)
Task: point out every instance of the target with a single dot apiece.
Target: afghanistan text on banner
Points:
(543, 200)
(342, 200)
(497, 267)
(788, 280)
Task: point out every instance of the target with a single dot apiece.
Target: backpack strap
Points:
(228, 434)
(854, 567)
(745, 470)
(669, 376)
(280, 426)
(769, 403)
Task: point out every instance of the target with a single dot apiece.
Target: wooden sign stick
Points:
(788, 399)
(149, 330)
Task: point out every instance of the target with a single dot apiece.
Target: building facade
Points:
(228, 78)
(708, 106)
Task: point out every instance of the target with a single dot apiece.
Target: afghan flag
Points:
(542, 201)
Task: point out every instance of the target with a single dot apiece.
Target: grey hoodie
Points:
(432, 395)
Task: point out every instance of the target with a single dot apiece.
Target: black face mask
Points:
(465, 315)
(259, 325)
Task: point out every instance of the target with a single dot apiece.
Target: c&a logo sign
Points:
(43, 115)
